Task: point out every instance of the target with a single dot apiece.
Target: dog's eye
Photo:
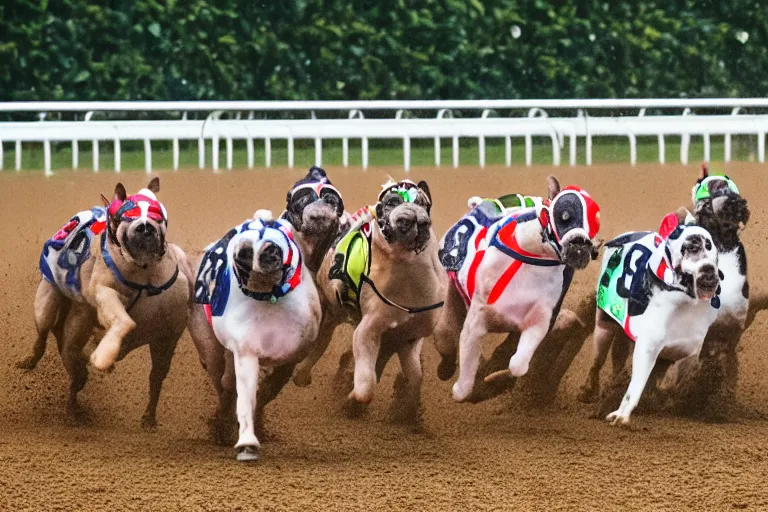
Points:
(566, 216)
(708, 245)
(393, 201)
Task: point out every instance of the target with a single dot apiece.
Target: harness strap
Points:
(366, 279)
(141, 288)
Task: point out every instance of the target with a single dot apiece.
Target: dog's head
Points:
(262, 256)
(314, 206)
(403, 213)
(137, 224)
(574, 221)
(694, 258)
(718, 206)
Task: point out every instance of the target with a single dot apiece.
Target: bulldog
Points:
(113, 267)
(262, 306)
(384, 277)
(519, 271)
(315, 211)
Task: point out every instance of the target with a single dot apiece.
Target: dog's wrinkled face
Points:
(259, 263)
(574, 220)
(403, 214)
(314, 206)
(695, 258)
(138, 224)
(720, 208)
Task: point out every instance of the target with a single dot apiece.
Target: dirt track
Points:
(469, 457)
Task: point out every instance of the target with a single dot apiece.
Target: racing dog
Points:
(112, 266)
(550, 360)
(516, 278)
(262, 305)
(661, 293)
(315, 210)
(696, 381)
(384, 277)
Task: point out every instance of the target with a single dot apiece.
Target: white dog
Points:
(662, 294)
(262, 304)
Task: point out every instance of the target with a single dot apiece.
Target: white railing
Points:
(444, 124)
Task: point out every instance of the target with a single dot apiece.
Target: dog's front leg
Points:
(115, 319)
(469, 352)
(643, 360)
(247, 379)
(366, 342)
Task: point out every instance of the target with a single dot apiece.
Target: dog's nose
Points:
(271, 256)
(405, 224)
(146, 229)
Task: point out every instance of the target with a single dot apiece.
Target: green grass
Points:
(382, 153)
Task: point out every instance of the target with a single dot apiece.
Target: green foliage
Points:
(402, 49)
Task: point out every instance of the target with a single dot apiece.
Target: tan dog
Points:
(384, 277)
(129, 280)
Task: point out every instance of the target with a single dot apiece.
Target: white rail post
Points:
(18, 155)
(481, 139)
(201, 152)
(727, 143)
(364, 149)
(147, 156)
(662, 149)
(2, 156)
(213, 117)
(353, 114)
(318, 151)
(290, 151)
(176, 146)
(75, 154)
(588, 142)
(94, 145)
(249, 143)
(230, 146)
(406, 144)
(534, 112)
(508, 151)
(117, 154)
(268, 152)
(707, 148)
(442, 113)
(761, 147)
(47, 157)
(685, 141)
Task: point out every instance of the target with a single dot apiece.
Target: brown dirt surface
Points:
(467, 457)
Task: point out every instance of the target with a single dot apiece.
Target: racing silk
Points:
(464, 246)
(216, 274)
(352, 256)
(621, 290)
(64, 254)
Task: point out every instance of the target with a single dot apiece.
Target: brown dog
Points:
(394, 250)
(129, 280)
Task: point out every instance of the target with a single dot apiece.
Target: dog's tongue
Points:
(706, 296)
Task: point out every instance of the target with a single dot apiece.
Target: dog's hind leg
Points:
(269, 388)
(161, 353)
(76, 332)
(48, 303)
(605, 336)
(406, 407)
(447, 331)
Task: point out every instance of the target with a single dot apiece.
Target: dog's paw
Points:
(616, 419)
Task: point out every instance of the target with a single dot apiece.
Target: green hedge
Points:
(337, 49)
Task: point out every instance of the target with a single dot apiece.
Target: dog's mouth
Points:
(706, 282)
(577, 249)
(319, 221)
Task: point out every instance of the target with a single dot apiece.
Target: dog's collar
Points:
(291, 278)
(504, 239)
(141, 288)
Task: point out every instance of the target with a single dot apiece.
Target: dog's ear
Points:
(120, 192)
(379, 211)
(154, 185)
(317, 173)
(704, 170)
(553, 187)
(104, 200)
(425, 188)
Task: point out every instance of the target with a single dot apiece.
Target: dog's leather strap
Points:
(141, 288)
(365, 279)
